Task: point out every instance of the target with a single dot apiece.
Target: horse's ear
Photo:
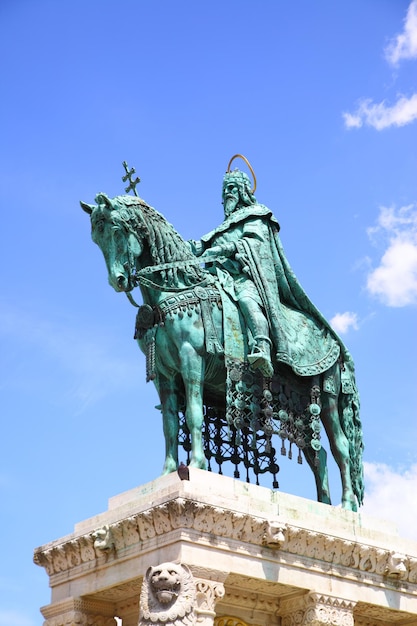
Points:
(102, 198)
(88, 208)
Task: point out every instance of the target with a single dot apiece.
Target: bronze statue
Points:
(225, 325)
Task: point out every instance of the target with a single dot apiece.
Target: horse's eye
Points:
(99, 226)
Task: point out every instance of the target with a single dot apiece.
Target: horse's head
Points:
(117, 228)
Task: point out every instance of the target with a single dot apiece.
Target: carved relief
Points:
(229, 621)
(182, 512)
(203, 518)
(87, 551)
(241, 527)
(396, 566)
(103, 539)
(146, 525)
(208, 593)
(161, 519)
(274, 536)
(412, 569)
(130, 530)
(168, 596)
(372, 615)
(316, 610)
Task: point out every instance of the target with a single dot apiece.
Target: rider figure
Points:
(224, 248)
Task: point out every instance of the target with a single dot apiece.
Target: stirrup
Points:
(260, 360)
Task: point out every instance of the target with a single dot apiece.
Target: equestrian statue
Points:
(232, 342)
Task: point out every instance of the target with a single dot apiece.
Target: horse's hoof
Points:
(199, 464)
(349, 505)
(169, 467)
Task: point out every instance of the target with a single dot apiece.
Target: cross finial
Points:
(128, 176)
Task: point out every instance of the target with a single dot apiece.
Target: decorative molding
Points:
(372, 615)
(313, 609)
(225, 620)
(208, 593)
(245, 529)
(79, 612)
(251, 601)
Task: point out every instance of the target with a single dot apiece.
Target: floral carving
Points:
(317, 610)
(131, 532)
(208, 592)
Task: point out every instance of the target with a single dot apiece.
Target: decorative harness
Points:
(204, 295)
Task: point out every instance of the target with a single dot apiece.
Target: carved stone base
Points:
(245, 556)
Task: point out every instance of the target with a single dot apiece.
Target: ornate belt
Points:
(186, 300)
(177, 304)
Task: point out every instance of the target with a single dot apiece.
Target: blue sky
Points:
(322, 99)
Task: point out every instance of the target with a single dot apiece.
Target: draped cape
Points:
(302, 337)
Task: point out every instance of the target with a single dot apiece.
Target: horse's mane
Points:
(165, 243)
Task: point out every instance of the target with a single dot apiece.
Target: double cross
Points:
(128, 176)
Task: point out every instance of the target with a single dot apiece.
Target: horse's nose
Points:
(121, 282)
(118, 281)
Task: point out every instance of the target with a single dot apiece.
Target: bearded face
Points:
(231, 197)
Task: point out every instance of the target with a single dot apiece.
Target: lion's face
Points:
(165, 581)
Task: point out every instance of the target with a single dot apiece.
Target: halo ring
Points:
(240, 156)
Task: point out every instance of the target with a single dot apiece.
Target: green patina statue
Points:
(228, 330)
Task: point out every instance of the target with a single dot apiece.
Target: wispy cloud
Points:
(394, 280)
(380, 115)
(390, 495)
(404, 45)
(342, 322)
(93, 370)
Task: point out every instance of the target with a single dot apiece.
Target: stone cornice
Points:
(284, 541)
(79, 611)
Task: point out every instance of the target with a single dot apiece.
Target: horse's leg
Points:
(169, 403)
(339, 446)
(321, 475)
(192, 370)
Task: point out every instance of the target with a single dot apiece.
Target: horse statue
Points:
(214, 336)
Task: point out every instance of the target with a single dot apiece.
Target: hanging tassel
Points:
(150, 353)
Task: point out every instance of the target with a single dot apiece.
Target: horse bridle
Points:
(142, 277)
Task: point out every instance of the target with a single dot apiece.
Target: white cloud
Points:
(390, 495)
(404, 45)
(404, 111)
(381, 116)
(394, 281)
(342, 322)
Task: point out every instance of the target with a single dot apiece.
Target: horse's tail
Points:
(352, 427)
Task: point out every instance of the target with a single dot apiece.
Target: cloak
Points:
(301, 336)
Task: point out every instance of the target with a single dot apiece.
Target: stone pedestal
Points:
(238, 554)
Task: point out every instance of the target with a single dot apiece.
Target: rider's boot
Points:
(260, 357)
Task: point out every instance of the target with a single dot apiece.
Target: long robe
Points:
(302, 337)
